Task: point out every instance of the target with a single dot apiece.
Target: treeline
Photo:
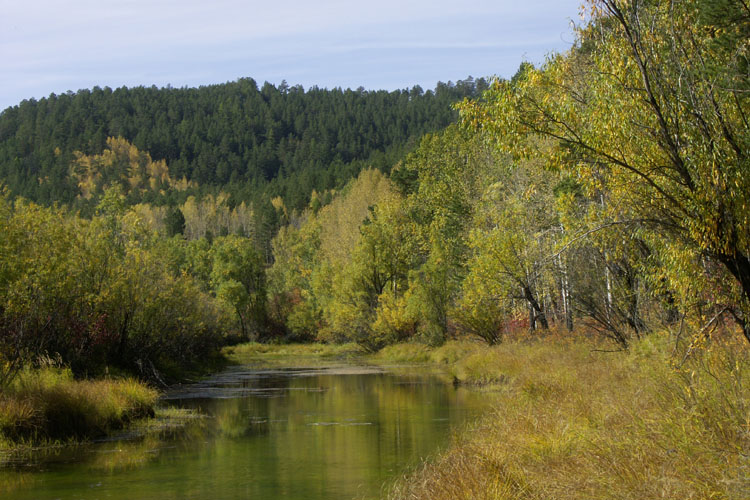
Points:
(608, 188)
(253, 142)
(108, 294)
(194, 213)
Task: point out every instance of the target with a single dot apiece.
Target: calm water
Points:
(318, 433)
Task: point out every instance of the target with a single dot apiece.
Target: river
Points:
(330, 432)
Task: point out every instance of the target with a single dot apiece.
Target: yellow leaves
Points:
(213, 214)
(158, 174)
(340, 220)
(183, 184)
(278, 204)
(530, 191)
(121, 163)
(394, 320)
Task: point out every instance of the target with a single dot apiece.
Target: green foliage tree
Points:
(449, 170)
(97, 292)
(238, 278)
(175, 222)
(516, 231)
(35, 282)
(260, 143)
(293, 303)
(643, 109)
(327, 275)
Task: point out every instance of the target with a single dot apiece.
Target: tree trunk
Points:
(245, 336)
(565, 294)
(536, 313)
(739, 266)
(123, 336)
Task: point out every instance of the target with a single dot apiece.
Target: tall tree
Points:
(238, 277)
(651, 107)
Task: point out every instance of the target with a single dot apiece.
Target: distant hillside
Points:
(248, 141)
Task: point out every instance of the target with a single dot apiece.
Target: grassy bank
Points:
(575, 423)
(47, 405)
(284, 353)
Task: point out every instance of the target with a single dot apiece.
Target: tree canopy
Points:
(252, 141)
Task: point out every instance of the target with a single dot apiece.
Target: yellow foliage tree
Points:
(650, 107)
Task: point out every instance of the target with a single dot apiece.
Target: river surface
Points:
(335, 432)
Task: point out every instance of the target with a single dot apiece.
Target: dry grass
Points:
(455, 350)
(577, 424)
(47, 404)
(403, 353)
(319, 350)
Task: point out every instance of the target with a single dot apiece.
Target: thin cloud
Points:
(55, 46)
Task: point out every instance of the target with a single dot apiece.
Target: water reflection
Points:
(336, 432)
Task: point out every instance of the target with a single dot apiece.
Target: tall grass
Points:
(575, 424)
(48, 404)
(255, 349)
(407, 352)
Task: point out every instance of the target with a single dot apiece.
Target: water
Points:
(317, 433)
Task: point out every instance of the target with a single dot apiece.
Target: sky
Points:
(56, 46)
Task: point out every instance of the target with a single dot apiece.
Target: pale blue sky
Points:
(61, 45)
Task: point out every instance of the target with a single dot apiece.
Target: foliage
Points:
(516, 231)
(212, 216)
(267, 141)
(121, 164)
(447, 173)
(639, 115)
(326, 275)
(98, 292)
(238, 278)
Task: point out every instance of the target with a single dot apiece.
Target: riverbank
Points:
(291, 353)
(575, 423)
(48, 405)
(574, 420)
(571, 420)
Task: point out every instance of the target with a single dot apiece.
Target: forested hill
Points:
(270, 140)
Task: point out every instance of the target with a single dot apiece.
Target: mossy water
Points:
(336, 431)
